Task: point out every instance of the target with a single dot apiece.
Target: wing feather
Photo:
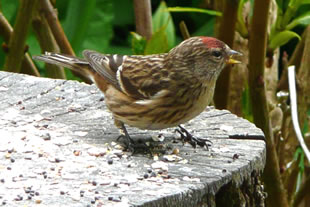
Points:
(137, 76)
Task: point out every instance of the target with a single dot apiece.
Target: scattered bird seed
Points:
(235, 156)
(153, 174)
(38, 201)
(46, 136)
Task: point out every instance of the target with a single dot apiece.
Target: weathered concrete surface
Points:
(58, 148)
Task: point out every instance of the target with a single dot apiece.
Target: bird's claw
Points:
(192, 140)
(132, 146)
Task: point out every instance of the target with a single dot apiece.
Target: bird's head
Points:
(205, 56)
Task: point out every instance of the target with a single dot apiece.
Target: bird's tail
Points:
(73, 63)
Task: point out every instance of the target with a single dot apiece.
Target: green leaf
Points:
(162, 18)
(100, 28)
(299, 154)
(9, 9)
(138, 43)
(158, 43)
(283, 4)
(302, 20)
(191, 9)
(206, 29)
(77, 21)
(290, 12)
(282, 38)
(246, 104)
(241, 27)
(88, 24)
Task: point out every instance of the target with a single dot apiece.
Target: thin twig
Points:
(17, 41)
(257, 48)
(282, 83)
(301, 194)
(47, 42)
(294, 112)
(56, 27)
(226, 33)
(302, 80)
(291, 178)
(59, 34)
(184, 30)
(143, 14)
(294, 60)
(28, 66)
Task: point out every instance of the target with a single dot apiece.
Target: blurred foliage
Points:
(291, 13)
(108, 26)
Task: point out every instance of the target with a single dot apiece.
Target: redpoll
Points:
(155, 91)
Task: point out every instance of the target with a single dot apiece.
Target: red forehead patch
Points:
(212, 42)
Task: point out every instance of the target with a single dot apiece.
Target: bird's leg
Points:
(129, 142)
(124, 134)
(188, 137)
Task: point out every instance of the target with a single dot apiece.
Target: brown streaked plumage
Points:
(154, 91)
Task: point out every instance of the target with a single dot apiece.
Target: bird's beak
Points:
(232, 53)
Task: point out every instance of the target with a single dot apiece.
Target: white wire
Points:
(294, 113)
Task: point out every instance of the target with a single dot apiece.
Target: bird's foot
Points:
(192, 140)
(133, 146)
(130, 144)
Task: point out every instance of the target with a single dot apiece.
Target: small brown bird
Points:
(155, 91)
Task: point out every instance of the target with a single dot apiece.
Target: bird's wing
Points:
(140, 77)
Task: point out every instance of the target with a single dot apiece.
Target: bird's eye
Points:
(216, 54)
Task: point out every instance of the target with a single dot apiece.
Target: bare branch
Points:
(59, 34)
(17, 41)
(226, 33)
(301, 194)
(257, 47)
(47, 42)
(143, 13)
(56, 28)
(28, 66)
(184, 30)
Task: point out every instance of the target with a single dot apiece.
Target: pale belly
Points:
(162, 118)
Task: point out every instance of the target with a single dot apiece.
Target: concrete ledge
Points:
(58, 148)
